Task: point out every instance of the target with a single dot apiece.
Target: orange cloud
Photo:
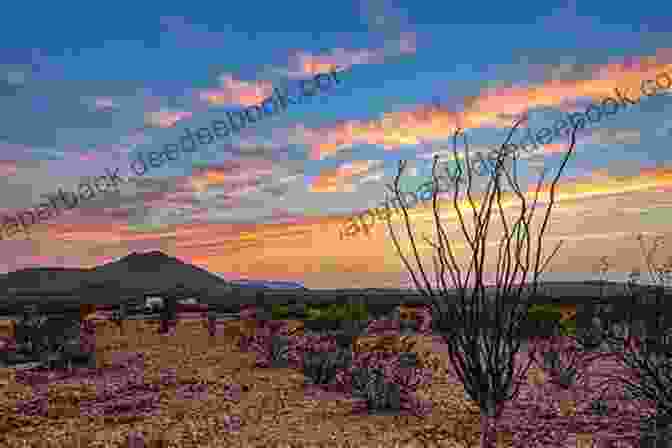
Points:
(233, 91)
(336, 179)
(213, 244)
(231, 173)
(600, 183)
(489, 107)
(597, 184)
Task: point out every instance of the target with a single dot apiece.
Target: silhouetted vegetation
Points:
(483, 349)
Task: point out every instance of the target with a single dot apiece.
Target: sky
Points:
(86, 92)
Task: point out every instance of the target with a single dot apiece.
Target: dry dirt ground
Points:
(275, 409)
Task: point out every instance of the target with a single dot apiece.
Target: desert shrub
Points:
(655, 431)
(568, 328)
(320, 356)
(543, 321)
(599, 407)
(280, 311)
(272, 344)
(387, 381)
(351, 318)
(119, 315)
(321, 367)
(588, 338)
(370, 384)
(544, 313)
(339, 312)
(321, 325)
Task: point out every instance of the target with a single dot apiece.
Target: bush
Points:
(543, 320)
(322, 324)
(351, 318)
(655, 431)
(599, 407)
(568, 328)
(279, 312)
(369, 383)
(354, 311)
(321, 367)
(387, 381)
(272, 343)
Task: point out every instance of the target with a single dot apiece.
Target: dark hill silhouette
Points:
(134, 274)
(155, 273)
(43, 279)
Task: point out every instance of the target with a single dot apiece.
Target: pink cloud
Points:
(232, 91)
(105, 104)
(165, 118)
(308, 64)
(7, 168)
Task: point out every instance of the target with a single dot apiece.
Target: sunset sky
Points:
(89, 89)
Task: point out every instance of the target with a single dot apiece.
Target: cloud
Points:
(490, 108)
(106, 104)
(165, 118)
(234, 177)
(340, 179)
(303, 64)
(232, 91)
(600, 182)
(8, 168)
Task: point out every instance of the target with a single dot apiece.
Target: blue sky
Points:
(87, 87)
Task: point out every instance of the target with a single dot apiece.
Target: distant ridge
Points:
(154, 272)
(268, 284)
(135, 273)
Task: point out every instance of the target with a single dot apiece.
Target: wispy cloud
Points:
(165, 118)
(106, 104)
(233, 91)
(305, 63)
(341, 178)
(233, 177)
(487, 109)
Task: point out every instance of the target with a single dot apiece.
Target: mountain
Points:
(45, 279)
(153, 271)
(267, 284)
(134, 274)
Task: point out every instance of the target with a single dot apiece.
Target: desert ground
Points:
(272, 405)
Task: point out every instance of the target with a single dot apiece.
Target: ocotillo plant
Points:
(482, 349)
